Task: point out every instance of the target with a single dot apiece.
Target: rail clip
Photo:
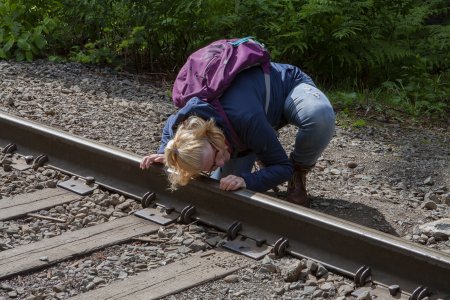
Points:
(420, 293)
(280, 247)
(186, 214)
(362, 275)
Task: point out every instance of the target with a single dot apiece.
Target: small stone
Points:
(90, 286)
(430, 196)
(430, 205)
(188, 241)
(198, 246)
(113, 258)
(12, 294)
(362, 294)
(161, 233)
(439, 229)
(311, 265)
(268, 266)
(295, 285)
(292, 272)
(352, 165)
(125, 205)
(6, 287)
(43, 258)
(321, 271)
(51, 184)
(428, 181)
(335, 172)
(13, 229)
(279, 291)
(327, 286)
(99, 280)
(345, 289)
(239, 293)
(231, 278)
(59, 288)
(445, 198)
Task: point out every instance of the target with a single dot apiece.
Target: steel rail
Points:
(342, 246)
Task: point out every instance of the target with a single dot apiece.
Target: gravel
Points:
(391, 177)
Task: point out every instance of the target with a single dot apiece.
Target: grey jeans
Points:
(307, 108)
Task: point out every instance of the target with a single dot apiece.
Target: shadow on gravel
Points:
(357, 213)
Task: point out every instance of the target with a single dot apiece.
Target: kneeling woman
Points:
(197, 139)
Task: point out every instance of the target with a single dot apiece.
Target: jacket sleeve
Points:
(263, 140)
(167, 134)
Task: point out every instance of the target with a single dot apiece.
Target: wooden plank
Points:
(172, 278)
(19, 205)
(71, 244)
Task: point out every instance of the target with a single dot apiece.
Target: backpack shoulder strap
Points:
(267, 80)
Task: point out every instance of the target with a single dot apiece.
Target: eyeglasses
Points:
(214, 166)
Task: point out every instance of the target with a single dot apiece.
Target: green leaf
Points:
(8, 45)
(359, 123)
(29, 56)
(3, 54)
(19, 56)
(39, 40)
(24, 45)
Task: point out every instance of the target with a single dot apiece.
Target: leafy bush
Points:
(420, 93)
(398, 47)
(23, 29)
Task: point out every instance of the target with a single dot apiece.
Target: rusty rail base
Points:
(340, 245)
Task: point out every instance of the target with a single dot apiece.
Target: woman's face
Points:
(213, 158)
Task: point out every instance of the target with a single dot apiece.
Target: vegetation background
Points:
(369, 55)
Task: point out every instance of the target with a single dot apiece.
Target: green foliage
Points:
(397, 48)
(420, 93)
(23, 29)
(359, 123)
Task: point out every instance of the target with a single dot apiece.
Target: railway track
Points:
(252, 224)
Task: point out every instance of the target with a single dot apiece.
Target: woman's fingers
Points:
(150, 159)
(232, 183)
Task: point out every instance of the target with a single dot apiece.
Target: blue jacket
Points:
(244, 103)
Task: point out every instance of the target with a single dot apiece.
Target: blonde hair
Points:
(183, 154)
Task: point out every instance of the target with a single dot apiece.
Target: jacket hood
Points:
(197, 107)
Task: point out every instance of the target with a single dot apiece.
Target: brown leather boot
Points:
(296, 191)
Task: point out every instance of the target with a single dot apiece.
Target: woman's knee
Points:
(308, 106)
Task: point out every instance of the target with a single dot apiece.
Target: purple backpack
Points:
(209, 71)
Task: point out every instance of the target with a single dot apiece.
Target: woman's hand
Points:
(150, 159)
(232, 183)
